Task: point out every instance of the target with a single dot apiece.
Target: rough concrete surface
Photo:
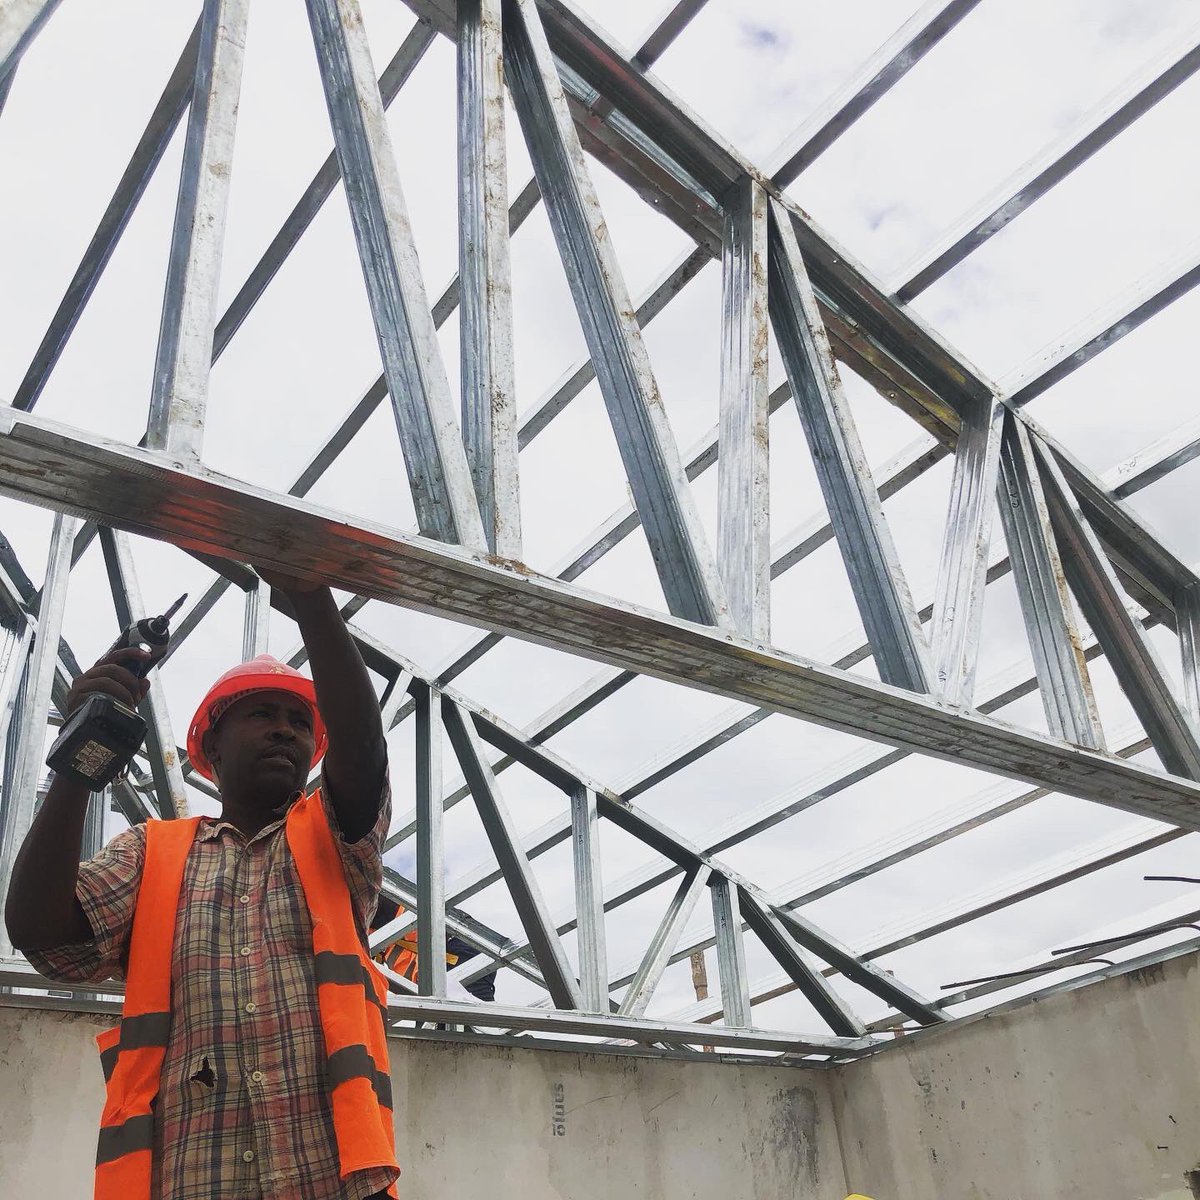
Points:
(1091, 1095)
(482, 1121)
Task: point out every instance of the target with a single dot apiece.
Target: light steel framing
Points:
(576, 94)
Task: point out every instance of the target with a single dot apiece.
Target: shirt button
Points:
(257, 1077)
(244, 900)
(247, 1156)
(251, 1007)
(245, 951)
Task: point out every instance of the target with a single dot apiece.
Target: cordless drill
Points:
(101, 737)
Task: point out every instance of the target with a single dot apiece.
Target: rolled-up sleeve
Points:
(362, 861)
(107, 890)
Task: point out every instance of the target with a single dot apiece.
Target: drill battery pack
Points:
(98, 742)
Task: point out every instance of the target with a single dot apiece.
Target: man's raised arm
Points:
(356, 761)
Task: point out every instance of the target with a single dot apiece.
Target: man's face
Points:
(263, 746)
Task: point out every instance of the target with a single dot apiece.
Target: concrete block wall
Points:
(1090, 1095)
(482, 1121)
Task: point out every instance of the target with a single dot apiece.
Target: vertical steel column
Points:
(878, 583)
(962, 573)
(1122, 638)
(179, 395)
(731, 953)
(1058, 659)
(1187, 615)
(438, 473)
(685, 563)
(589, 900)
(489, 413)
(34, 707)
(431, 865)
(20, 21)
(514, 862)
(743, 468)
(161, 747)
(256, 622)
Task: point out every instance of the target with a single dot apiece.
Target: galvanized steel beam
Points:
(1188, 612)
(489, 417)
(256, 621)
(785, 950)
(179, 396)
(20, 22)
(1062, 674)
(962, 573)
(43, 463)
(527, 896)
(685, 565)
(439, 476)
(662, 943)
(431, 859)
(731, 952)
(30, 718)
(1126, 647)
(497, 1016)
(870, 83)
(1066, 354)
(589, 900)
(1032, 180)
(129, 190)
(876, 578)
(160, 741)
(304, 211)
(743, 477)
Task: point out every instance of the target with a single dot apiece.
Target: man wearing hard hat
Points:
(250, 1060)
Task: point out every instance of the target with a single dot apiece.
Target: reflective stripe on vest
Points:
(351, 997)
(132, 1053)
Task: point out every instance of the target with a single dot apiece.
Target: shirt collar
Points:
(210, 827)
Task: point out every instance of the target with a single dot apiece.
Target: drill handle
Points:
(141, 633)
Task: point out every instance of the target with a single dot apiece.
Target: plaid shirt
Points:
(243, 1110)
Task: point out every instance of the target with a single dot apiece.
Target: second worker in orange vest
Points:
(251, 1059)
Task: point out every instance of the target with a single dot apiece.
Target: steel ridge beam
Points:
(150, 494)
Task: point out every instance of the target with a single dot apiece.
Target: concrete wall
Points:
(476, 1121)
(1091, 1095)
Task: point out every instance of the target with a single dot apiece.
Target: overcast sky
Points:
(1012, 78)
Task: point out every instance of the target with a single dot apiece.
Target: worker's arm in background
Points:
(356, 762)
(47, 902)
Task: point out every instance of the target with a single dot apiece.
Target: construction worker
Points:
(251, 1060)
(400, 955)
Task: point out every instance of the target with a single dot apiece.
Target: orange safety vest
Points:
(401, 955)
(351, 998)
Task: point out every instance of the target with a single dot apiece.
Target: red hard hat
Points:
(261, 674)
